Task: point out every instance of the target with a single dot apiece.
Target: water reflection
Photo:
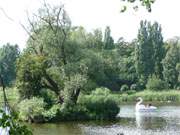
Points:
(65, 128)
(166, 121)
(149, 121)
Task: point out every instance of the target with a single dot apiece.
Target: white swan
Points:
(142, 108)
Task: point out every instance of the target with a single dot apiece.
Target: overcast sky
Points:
(91, 14)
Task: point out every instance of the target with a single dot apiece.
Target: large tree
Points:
(8, 55)
(159, 51)
(108, 40)
(52, 59)
(171, 65)
(149, 51)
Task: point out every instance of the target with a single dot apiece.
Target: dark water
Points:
(165, 121)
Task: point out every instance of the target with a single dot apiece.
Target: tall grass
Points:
(12, 96)
(148, 95)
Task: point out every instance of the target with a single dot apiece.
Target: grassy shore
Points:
(148, 95)
(129, 96)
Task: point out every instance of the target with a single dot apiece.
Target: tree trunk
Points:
(76, 95)
(4, 93)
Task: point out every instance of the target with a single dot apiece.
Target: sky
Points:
(90, 14)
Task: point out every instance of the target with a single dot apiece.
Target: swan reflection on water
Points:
(149, 120)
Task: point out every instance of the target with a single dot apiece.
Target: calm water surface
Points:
(165, 121)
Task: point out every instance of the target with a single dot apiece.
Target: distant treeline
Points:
(106, 63)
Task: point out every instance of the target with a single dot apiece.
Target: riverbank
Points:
(148, 95)
(45, 108)
(100, 104)
(129, 96)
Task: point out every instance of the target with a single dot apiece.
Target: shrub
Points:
(100, 104)
(101, 91)
(155, 83)
(178, 88)
(49, 97)
(76, 112)
(134, 87)
(124, 88)
(51, 114)
(32, 109)
(130, 92)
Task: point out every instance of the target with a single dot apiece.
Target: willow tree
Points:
(52, 60)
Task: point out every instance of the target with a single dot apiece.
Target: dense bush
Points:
(155, 83)
(130, 92)
(49, 97)
(51, 114)
(70, 113)
(134, 87)
(100, 105)
(101, 92)
(77, 112)
(124, 88)
(32, 109)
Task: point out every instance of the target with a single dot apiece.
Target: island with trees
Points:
(66, 73)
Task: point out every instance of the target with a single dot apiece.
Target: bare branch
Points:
(28, 32)
(58, 16)
(48, 21)
(31, 23)
(6, 15)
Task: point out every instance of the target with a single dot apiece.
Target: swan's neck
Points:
(138, 103)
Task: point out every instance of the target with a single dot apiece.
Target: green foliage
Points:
(148, 95)
(8, 55)
(72, 88)
(61, 62)
(10, 121)
(130, 92)
(108, 40)
(136, 3)
(32, 109)
(70, 113)
(155, 83)
(100, 105)
(50, 98)
(149, 51)
(171, 66)
(124, 88)
(134, 87)
(29, 75)
(101, 92)
(53, 59)
(52, 113)
(178, 70)
(12, 96)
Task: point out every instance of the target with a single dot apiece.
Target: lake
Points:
(165, 121)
